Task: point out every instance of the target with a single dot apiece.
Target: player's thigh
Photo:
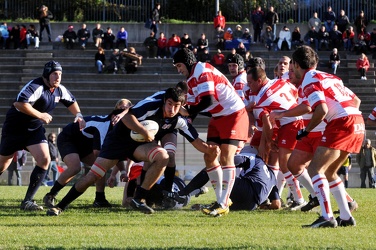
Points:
(150, 152)
(227, 154)
(298, 160)
(322, 159)
(41, 154)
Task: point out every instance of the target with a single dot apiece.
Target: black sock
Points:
(36, 179)
(141, 193)
(169, 174)
(132, 185)
(142, 176)
(346, 184)
(100, 196)
(69, 197)
(56, 188)
(197, 182)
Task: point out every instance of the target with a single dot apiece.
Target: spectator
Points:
(70, 37)
(173, 44)
(195, 53)
(204, 56)
(362, 65)
(121, 38)
(23, 40)
(344, 170)
(44, 21)
(335, 37)
(202, 43)
(155, 18)
(366, 35)
(241, 50)
(360, 22)
(247, 58)
(268, 37)
(32, 36)
(228, 35)
(372, 43)
(246, 35)
(334, 60)
(238, 33)
(323, 38)
(132, 59)
(54, 155)
(271, 19)
(14, 37)
(151, 44)
(116, 60)
(314, 22)
(83, 35)
(162, 46)
(257, 19)
(348, 38)
(296, 38)
(219, 21)
(342, 21)
(4, 34)
(98, 35)
(19, 160)
(108, 39)
(312, 38)
(219, 38)
(284, 39)
(100, 60)
(218, 60)
(361, 45)
(329, 19)
(366, 159)
(186, 42)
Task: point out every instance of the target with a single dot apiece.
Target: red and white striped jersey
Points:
(240, 85)
(372, 116)
(320, 87)
(207, 80)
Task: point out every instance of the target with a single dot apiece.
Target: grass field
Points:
(83, 227)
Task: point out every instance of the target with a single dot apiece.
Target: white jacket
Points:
(284, 35)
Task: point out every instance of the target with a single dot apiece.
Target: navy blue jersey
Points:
(39, 96)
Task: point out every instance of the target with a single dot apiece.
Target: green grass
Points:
(83, 227)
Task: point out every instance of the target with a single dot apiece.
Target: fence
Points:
(190, 10)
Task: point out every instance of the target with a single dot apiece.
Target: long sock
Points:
(346, 183)
(338, 190)
(141, 193)
(216, 177)
(197, 182)
(56, 188)
(228, 184)
(132, 185)
(275, 170)
(142, 176)
(100, 196)
(36, 178)
(321, 187)
(306, 181)
(280, 182)
(294, 186)
(169, 174)
(69, 197)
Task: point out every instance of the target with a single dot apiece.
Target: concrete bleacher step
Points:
(369, 81)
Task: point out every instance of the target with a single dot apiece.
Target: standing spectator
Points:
(155, 18)
(70, 37)
(108, 39)
(218, 60)
(342, 21)
(54, 155)
(314, 22)
(100, 60)
(121, 38)
(344, 170)
(98, 35)
(219, 38)
(151, 44)
(296, 38)
(173, 44)
(83, 35)
(219, 21)
(32, 36)
(132, 60)
(329, 19)
(372, 43)
(238, 33)
(335, 37)
(323, 38)
(271, 19)
(257, 19)
(334, 60)
(360, 22)
(202, 43)
(4, 34)
(186, 42)
(162, 46)
(18, 161)
(362, 65)
(23, 125)
(348, 38)
(367, 161)
(116, 60)
(284, 39)
(44, 22)
(23, 40)
(268, 37)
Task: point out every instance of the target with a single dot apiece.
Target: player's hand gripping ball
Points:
(150, 126)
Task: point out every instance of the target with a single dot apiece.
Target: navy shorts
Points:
(242, 195)
(80, 145)
(343, 170)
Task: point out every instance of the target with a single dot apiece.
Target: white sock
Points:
(321, 187)
(228, 184)
(216, 177)
(280, 182)
(306, 181)
(294, 187)
(338, 190)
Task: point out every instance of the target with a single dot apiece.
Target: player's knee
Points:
(159, 156)
(97, 171)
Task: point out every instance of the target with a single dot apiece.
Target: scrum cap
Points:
(50, 67)
(186, 57)
(238, 59)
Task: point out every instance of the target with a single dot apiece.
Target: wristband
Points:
(79, 115)
(123, 172)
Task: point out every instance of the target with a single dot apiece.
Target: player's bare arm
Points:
(132, 123)
(266, 138)
(301, 109)
(318, 116)
(26, 108)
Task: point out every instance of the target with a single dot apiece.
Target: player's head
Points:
(183, 86)
(256, 78)
(235, 64)
(173, 100)
(52, 73)
(123, 104)
(256, 62)
(305, 57)
(184, 57)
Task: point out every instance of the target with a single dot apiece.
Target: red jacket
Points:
(218, 59)
(174, 42)
(362, 63)
(219, 21)
(162, 42)
(23, 32)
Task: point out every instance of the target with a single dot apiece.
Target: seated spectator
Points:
(121, 38)
(23, 40)
(334, 60)
(372, 43)
(323, 38)
(335, 37)
(361, 45)
(116, 60)
(220, 41)
(238, 33)
(32, 36)
(247, 58)
(202, 43)
(204, 56)
(70, 37)
(100, 60)
(195, 53)
(365, 34)
(296, 38)
(312, 38)
(83, 35)
(348, 38)
(14, 37)
(162, 46)
(173, 44)
(267, 37)
(4, 34)
(241, 50)
(284, 39)
(151, 44)
(246, 35)
(108, 39)
(362, 65)
(228, 35)
(132, 59)
(98, 35)
(185, 42)
(218, 60)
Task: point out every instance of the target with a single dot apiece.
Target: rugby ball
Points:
(149, 125)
